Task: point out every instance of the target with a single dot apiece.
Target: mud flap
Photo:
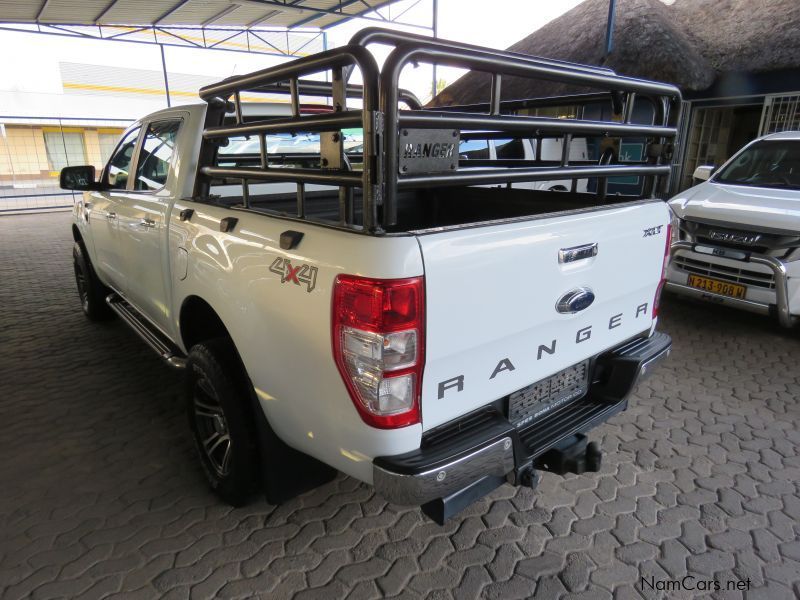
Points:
(285, 472)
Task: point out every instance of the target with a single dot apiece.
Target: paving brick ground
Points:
(100, 494)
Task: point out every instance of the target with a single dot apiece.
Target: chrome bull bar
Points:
(778, 268)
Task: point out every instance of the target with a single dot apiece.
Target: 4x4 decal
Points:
(299, 275)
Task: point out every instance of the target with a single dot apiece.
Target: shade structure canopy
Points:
(280, 27)
(197, 13)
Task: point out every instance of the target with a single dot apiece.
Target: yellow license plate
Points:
(715, 286)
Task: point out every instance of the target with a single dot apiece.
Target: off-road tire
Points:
(219, 412)
(91, 291)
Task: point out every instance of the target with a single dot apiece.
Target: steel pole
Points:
(435, 28)
(164, 69)
(612, 7)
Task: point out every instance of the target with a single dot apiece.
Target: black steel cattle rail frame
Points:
(382, 122)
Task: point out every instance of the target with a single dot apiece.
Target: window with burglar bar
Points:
(781, 113)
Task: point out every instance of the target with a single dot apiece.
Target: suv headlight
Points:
(676, 228)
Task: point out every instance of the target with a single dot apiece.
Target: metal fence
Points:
(34, 150)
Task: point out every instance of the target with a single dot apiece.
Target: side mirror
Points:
(80, 178)
(703, 173)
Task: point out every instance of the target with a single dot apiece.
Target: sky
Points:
(491, 23)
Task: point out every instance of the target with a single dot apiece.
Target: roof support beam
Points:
(124, 33)
(271, 14)
(405, 10)
(254, 34)
(71, 31)
(307, 42)
(342, 5)
(220, 14)
(178, 37)
(263, 18)
(170, 11)
(227, 39)
(42, 8)
(371, 8)
(105, 11)
(291, 7)
(361, 15)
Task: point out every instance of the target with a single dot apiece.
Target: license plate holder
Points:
(717, 286)
(537, 399)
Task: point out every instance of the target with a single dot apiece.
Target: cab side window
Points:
(120, 164)
(155, 156)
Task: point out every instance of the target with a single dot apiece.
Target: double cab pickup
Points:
(412, 319)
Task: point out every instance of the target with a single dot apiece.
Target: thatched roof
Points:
(688, 43)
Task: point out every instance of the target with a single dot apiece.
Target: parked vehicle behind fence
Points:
(527, 150)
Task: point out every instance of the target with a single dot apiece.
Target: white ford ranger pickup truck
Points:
(373, 308)
(736, 236)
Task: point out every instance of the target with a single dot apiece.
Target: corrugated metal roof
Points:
(226, 13)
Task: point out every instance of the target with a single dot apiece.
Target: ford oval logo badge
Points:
(575, 301)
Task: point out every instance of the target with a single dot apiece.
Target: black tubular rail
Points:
(217, 95)
(310, 87)
(520, 174)
(377, 35)
(382, 121)
(499, 63)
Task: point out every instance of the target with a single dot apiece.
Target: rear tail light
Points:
(664, 264)
(379, 346)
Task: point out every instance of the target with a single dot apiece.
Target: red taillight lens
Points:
(664, 264)
(379, 345)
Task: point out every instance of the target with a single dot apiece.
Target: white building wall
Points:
(88, 88)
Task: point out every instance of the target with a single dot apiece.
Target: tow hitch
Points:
(571, 455)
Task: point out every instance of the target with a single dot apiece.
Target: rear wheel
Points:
(91, 291)
(219, 416)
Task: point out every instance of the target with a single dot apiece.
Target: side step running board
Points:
(154, 338)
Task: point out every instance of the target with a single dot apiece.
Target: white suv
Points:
(736, 236)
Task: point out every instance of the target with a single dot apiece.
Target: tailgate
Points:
(491, 292)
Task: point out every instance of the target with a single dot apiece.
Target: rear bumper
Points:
(484, 445)
(778, 268)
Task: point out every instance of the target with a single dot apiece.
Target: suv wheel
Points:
(219, 417)
(92, 293)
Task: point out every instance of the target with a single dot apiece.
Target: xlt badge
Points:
(652, 230)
